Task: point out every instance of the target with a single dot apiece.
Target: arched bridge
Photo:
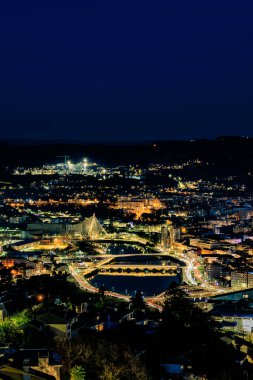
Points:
(138, 268)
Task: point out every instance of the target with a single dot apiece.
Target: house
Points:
(32, 364)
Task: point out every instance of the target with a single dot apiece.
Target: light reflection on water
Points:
(123, 249)
(149, 285)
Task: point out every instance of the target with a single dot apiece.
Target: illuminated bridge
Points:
(106, 266)
(90, 228)
(137, 268)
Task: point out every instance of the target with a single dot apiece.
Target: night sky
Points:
(126, 69)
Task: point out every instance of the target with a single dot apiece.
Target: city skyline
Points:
(126, 190)
(150, 238)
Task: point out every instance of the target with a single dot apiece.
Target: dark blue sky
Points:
(126, 69)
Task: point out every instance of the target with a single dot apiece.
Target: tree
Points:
(72, 353)
(137, 301)
(188, 329)
(110, 372)
(177, 308)
(77, 373)
(102, 359)
(12, 328)
(102, 291)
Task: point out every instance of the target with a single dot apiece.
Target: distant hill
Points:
(225, 154)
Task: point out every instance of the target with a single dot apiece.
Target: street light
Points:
(40, 297)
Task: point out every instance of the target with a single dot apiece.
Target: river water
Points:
(149, 285)
(128, 284)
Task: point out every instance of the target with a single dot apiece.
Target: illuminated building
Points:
(89, 227)
(241, 279)
(167, 236)
(164, 237)
(138, 206)
(204, 243)
(213, 271)
(8, 262)
(176, 233)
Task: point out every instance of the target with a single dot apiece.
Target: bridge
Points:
(88, 269)
(106, 266)
(82, 256)
(89, 229)
(189, 265)
(138, 268)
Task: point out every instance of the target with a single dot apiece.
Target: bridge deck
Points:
(137, 266)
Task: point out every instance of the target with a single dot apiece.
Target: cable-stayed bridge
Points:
(90, 228)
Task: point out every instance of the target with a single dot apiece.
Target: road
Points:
(192, 273)
(192, 276)
(189, 264)
(84, 284)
